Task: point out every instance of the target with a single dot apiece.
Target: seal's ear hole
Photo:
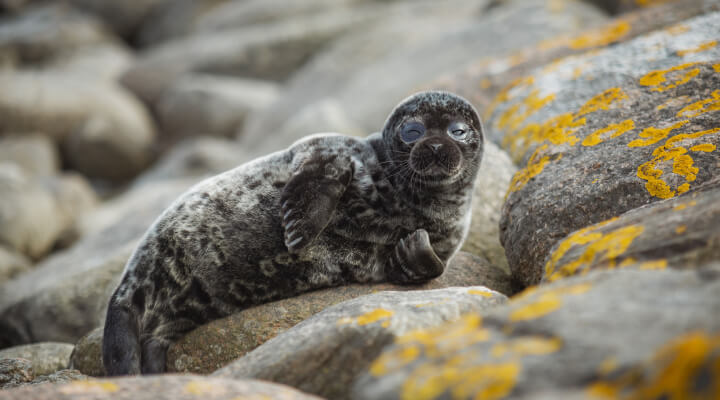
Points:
(412, 131)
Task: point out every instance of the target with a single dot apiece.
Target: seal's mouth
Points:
(436, 159)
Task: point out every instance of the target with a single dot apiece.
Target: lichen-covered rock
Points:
(45, 358)
(105, 132)
(205, 105)
(35, 154)
(12, 264)
(605, 132)
(678, 232)
(613, 334)
(219, 342)
(14, 371)
(324, 354)
(158, 387)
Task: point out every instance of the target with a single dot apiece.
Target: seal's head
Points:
(436, 136)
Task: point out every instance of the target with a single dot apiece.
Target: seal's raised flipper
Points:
(414, 260)
(309, 199)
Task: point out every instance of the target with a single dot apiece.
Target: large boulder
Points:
(35, 154)
(12, 264)
(612, 334)
(325, 353)
(45, 358)
(105, 132)
(605, 132)
(159, 387)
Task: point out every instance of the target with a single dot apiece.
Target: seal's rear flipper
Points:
(121, 342)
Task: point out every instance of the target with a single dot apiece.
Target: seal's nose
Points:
(435, 147)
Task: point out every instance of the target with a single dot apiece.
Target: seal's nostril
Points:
(436, 146)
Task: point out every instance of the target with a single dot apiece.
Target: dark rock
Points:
(324, 354)
(606, 132)
(45, 358)
(86, 356)
(609, 334)
(159, 387)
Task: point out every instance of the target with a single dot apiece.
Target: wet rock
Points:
(35, 154)
(217, 343)
(205, 105)
(12, 264)
(45, 358)
(610, 334)
(605, 132)
(105, 132)
(680, 232)
(159, 387)
(14, 372)
(323, 354)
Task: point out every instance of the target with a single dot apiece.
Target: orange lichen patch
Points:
(680, 229)
(652, 135)
(685, 368)
(504, 94)
(535, 165)
(204, 388)
(701, 107)
(654, 264)
(699, 49)
(646, 3)
(659, 77)
(615, 130)
(683, 164)
(608, 365)
(545, 303)
(512, 119)
(601, 250)
(677, 29)
(450, 337)
(89, 387)
(393, 360)
(482, 382)
(685, 205)
(716, 67)
(485, 83)
(674, 102)
(601, 37)
(603, 101)
(578, 238)
(526, 345)
(478, 292)
(370, 317)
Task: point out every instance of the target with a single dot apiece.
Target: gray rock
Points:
(159, 387)
(105, 62)
(86, 356)
(606, 132)
(607, 334)
(105, 132)
(124, 17)
(35, 154)
(45, 358)
(620, 6)
(206, 105)
(12, 264)
(62, 376)
(14, 372)
(323, 354)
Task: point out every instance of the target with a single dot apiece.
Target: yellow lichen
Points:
(369, 318)
(659, 77)
(700, 107)
(716, 67)
(578, 238)
(700, 48)
(395, 359)
(89, 387)
(526, 345)
(683, 206)
(674, 102)
(652, 135)
(478, 292)
(680, 229)
(654, 264)
(600, 136)
(535, 165)
(204, 388)
(677, 29)
(601, 37)
(546, 302)
(482, 382)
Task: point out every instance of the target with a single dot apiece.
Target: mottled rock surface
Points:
(324, 353)
(612, 334)
(167, 387)
(14, 372)
(45, 358)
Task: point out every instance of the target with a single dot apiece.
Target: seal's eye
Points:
(412, 131)
(458, 130)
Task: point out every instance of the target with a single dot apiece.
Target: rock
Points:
(14, 372)
(620, 6)
(678, 232)
(12, 264)
(35, 154)
(41, 34)
(63, 376)
(606, 132)
(595, 333)
(74, 197)
(125, 18)
(493, 181)
(104, 62)
(45, 358)
(388, 72)
(105, 132)
(323, 354)
(159, 387)
(215, 344)
(205, 105)
(65, 296)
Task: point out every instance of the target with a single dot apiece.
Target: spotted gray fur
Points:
(328, 211)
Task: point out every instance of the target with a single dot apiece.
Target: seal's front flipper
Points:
(414, 260)
(310, 197)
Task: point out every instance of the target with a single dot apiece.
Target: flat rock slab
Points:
(45, 358)
(170, 387)
(612, 334)
(680, 232)
(324, 354)
(605, 132)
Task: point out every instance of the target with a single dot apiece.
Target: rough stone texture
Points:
(35, 154)
(680, 232)
(605, 132)
(12, 264)
(14, 372)
(45, 358)
(63, 376)
(217, 343)
(371, 72)
(159, 387)
(65, 296)
(591, 333)
(106, 133)
(324, 354)
(206, 105)
(496, 172)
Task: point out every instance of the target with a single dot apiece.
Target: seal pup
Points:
(328, 211)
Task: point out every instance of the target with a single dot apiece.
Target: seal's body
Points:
(328, 211)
